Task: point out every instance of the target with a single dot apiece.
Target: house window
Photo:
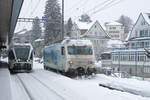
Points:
(146, 32)
(95, 33)
(136, 33)
(143, 23)
(132, 45)
(146, 44)
(113, 27)
(141, 33)
(142, 45)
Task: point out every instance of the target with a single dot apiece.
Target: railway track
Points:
(36, 89)
(25, 88)
(50, 89)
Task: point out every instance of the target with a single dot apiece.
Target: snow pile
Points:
(38, 40)
(132, 86)
(4, 59)
(38, 63)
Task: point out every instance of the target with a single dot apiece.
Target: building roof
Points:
(84, 25)
(146, 17)
(96, 22)
(114, 23)
(37, 40)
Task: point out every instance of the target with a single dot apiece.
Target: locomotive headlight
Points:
(18, 60)
(70, 62)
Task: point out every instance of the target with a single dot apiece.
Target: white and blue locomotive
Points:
(72, 57)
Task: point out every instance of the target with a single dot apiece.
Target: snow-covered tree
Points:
(53, 21)
(69, 27)
(126, 21)
(36, 30)
(85, 18)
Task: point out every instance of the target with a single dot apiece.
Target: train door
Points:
(63, 56)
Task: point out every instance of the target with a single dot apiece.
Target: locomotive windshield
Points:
(105, 56)
(80, 50)
(22, 52)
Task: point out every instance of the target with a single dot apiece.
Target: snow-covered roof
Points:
(141, 38)
(129, 50)
(113, 23)
(84, 25)
(146, 17)
(37, 40)
(114, 43)
(76, 42)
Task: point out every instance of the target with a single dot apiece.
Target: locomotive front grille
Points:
(22, 66)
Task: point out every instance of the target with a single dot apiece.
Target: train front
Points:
(21, 58)
(80, 57)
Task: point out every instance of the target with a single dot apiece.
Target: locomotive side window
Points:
(62, 50)
(31, 57)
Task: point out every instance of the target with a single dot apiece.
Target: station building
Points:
(132, 58)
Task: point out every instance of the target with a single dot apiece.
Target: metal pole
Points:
(62, 19)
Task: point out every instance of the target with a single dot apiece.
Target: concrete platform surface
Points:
(5, 84)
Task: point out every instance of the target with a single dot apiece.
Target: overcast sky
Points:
(105, 10)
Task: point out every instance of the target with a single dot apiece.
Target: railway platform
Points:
(5, 85)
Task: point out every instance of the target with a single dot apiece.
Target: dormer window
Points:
(143, 23)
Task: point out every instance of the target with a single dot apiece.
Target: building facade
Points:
(115, 30)
(133, 59)
(98, 37)
(94, 32)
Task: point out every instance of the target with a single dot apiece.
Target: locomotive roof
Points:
(20, 44)
(76, 42)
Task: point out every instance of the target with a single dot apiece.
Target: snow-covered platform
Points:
(5, 87)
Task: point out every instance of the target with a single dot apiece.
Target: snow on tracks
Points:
(57, 83)
(36, 90)
(18, 90)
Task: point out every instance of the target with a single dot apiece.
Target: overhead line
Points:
(102, 3)
(107, 6)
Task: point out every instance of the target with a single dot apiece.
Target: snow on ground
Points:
(47, 85)
(134, 86)
(4, 59)
(87, 88)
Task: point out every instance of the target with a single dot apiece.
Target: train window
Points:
(62, 50)
(31, 57)
(11, 55)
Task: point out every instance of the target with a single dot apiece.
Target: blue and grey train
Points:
(20, 57)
